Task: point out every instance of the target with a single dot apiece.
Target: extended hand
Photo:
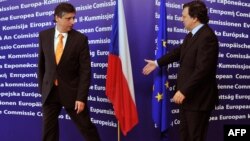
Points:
(149, 67)
(79, 106)
(178, 97)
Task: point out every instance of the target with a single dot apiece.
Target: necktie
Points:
(59, 48)
(190, 35)
(59, 51)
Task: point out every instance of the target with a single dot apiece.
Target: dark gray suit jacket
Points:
(196, 77)
(73, 71)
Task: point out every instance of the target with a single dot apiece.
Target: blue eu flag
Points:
(160, 97)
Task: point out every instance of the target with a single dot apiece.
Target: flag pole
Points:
(118, 132)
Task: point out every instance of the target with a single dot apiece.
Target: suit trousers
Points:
(51, 110)
(193, 125)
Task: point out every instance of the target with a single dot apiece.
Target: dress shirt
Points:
(196, 29)
(56, 38)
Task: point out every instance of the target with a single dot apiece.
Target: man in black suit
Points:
(197, 91)
(64, 80)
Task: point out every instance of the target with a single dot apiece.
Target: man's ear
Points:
(195, 20)
(56, 18)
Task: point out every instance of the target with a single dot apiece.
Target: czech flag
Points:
(119, 82)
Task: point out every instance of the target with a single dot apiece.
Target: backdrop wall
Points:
(20, 106)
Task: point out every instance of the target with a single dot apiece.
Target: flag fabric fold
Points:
(119, 82)
(160, 98)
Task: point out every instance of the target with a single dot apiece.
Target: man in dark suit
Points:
(197, 91)
(64, 75)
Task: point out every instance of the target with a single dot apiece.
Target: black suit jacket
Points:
(196, 77)
(73, 71)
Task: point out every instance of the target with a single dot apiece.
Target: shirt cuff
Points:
(156, 63)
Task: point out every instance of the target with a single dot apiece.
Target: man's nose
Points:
(72, 21)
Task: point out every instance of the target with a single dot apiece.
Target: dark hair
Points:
(197, 9)
(62, 9)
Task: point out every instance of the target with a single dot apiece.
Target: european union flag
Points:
(160, 98)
